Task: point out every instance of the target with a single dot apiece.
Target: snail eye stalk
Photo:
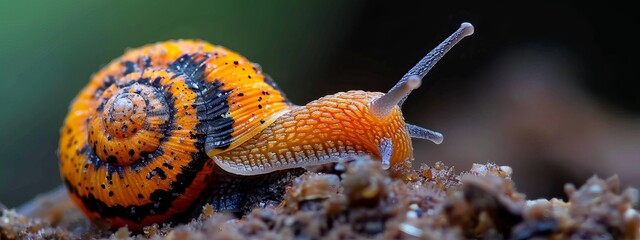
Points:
(381, 107)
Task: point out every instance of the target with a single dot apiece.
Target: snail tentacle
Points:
(398, 93)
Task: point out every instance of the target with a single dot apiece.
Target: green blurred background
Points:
(565, 55)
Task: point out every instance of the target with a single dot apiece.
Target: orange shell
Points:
(133, 148)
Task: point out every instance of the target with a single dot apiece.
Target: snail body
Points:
(149, 133)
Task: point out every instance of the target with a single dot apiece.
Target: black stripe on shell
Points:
(146, 157)
(190, 65)
(143, 63)
(213, 115)
(129, 67)
(162, 199)
(212, 105)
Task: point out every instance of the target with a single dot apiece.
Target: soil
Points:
(356, 199)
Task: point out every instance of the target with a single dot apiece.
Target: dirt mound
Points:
(359, 200)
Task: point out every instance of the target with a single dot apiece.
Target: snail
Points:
(165, 123)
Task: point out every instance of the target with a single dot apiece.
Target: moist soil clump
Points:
(357, 199)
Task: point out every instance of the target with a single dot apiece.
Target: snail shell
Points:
(132, 149)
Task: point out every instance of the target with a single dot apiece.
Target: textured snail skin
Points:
(330, 128)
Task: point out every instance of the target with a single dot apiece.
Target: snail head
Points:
(394, 141)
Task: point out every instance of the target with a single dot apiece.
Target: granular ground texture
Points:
(356, 199)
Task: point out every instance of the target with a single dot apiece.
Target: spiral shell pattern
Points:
(133, 148)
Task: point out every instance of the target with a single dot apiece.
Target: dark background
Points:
(547, 88)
